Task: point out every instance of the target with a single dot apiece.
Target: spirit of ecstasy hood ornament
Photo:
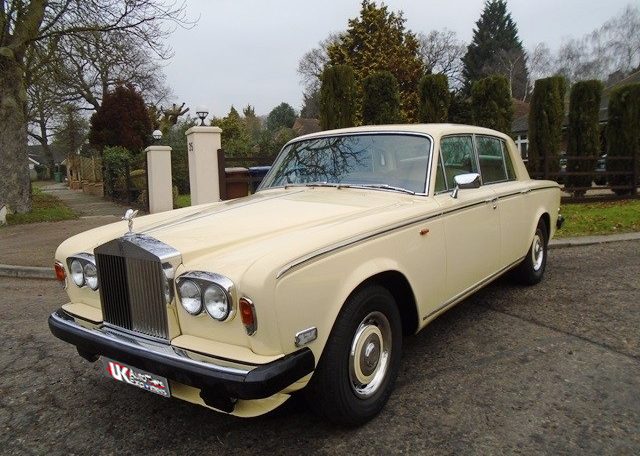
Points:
(129, 216)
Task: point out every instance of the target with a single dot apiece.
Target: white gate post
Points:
(159, 178)
(202, 146)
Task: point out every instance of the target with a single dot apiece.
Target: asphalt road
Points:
(550, 369)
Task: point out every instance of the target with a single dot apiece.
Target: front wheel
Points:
(360, 362)
(531, 270)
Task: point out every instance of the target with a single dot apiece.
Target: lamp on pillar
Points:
(157, 136)
(202, 112)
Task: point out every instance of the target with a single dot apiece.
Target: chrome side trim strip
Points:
(469, 291)
(364, 237)
(347, 242)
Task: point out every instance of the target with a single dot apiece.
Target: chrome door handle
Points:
(493, 201)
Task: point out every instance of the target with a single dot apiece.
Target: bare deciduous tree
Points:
(539, 63)
(312, 64)
(26, 25)
(442, 52)
(612, 48)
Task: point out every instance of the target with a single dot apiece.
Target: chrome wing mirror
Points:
(470, 180)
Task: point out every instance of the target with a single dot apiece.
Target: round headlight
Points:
(190, 297)
(216, 303)
(91, 276)
(77, 273)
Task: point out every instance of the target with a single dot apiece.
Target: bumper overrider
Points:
(221, 382)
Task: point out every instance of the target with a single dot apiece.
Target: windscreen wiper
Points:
(387, 187)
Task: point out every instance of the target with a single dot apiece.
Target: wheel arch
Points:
(400, 288)
(547, 224)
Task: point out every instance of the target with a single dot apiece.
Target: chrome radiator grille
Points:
(132, 284)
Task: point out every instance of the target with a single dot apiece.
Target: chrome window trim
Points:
(363, 133)
(475, 152)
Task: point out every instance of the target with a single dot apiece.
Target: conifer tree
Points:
(122, 120)
(377, 40)
(282, 116)
(236, 140)
(584, 133)
(546, 116)
(381, 99)
(491, 104)
(623, 135)
(337, 97)
(434, 98)
(496, 49)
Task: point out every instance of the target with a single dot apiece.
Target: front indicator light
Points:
(248, 315)
(77, 273)
(216, 302)
(61, 274)
(190, 297)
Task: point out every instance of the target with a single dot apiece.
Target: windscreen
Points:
(376, 160)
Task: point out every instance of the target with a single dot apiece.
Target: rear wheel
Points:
(359, 365)
(531, 270)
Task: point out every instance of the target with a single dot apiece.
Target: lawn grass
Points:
(183, 201)
(46, 208)
(600, 218)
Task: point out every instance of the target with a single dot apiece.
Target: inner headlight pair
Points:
(83, 271)
(206, 291)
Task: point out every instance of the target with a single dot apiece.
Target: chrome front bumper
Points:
(221, 382)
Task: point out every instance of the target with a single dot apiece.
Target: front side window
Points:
(397, 161)
(457, 157)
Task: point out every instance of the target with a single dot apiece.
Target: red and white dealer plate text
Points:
(136, 377)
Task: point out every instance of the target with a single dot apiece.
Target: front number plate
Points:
(136, 377)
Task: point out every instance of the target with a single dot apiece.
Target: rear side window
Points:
(491, 157)
(458, 158)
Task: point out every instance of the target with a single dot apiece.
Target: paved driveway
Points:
(550, 369)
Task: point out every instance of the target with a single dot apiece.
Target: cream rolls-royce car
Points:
(355, 238)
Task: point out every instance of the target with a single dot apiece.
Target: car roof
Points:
(435, 130)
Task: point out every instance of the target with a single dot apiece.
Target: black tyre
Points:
(360, 362)
(531, 270)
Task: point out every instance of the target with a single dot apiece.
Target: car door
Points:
(496, 167)
(472, 229)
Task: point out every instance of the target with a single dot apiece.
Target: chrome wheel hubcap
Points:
(537, 252)
(369, 354)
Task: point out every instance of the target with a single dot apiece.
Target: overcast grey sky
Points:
(247, 51)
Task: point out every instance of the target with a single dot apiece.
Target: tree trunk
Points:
(15, 184)
(46, 148)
